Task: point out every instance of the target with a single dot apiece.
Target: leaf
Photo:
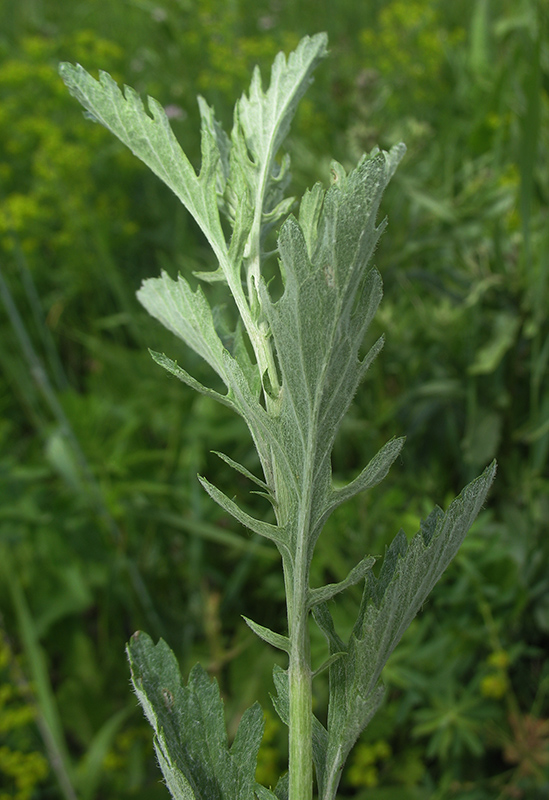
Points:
(188, 314)
(328, 663)
(272, 532)
(374, 472)
(185, 313)
(371, 475)
(269, 636)
(389, 604)
(262, 122)
(190, 736)
(239, 468)
(265, 118)
(325, 593)
(151, 139)
(173, 367)
(318, 325)
(409, 574)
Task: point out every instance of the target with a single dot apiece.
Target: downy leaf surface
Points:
(389, 604)
(319, 323)
(149, 136)
(190, 735)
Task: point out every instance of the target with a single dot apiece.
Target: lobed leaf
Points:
(389, 604)
(187, 314)
(150, 138)
(190, 736)
(266, 117)
(262, 122)
(318, 325)
(410, 573)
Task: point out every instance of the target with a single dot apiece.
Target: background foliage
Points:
(103, 527)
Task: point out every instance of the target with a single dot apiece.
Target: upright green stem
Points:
(299, 672)
(300, 689)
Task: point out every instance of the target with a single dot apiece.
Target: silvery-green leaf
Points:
(190, 735)
(150, 138)
(186, 313)
(358, 573)
(318, 325)
(272, 532)
(174, 368)
(239, 468)
(262, 121)
(265, 117)
(389, 604)
(269, 636)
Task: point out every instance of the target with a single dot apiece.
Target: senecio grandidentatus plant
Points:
(293, 393)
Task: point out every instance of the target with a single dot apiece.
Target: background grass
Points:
(103, 527)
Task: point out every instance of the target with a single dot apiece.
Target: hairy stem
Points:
(299, 672)
(300, 691)
(301, 752)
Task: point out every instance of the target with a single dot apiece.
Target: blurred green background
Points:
(103, 526)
